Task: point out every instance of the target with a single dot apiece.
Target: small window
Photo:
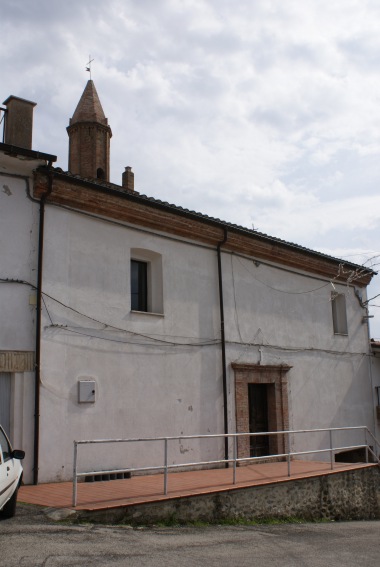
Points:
(139, 285)
(338, 303)
(146, 281)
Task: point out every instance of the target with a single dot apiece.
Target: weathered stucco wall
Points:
(18, 245)
(144, 387)
(149, 387)
(18, 253)
(159, 374)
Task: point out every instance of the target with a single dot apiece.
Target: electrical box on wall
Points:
(86, 391)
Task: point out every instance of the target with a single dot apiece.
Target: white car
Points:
(10, 475)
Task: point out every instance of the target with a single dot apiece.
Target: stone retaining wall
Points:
(351, 495)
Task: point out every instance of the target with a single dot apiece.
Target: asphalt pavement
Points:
(33, 539)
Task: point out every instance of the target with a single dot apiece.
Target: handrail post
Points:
(166, 466)
(234, 457)
(75, 474)
(366, 444)
(331, 450)
(288, 456)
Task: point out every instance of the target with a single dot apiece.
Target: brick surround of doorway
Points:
(275, 376)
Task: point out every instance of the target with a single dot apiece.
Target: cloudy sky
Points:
(265, 113)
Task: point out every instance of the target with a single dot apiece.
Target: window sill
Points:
(147, 313)
(340, 334)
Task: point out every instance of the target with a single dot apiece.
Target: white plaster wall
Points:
(375, 367)
(285, 318)
(145, 390)
(18, 246)
(18, 260)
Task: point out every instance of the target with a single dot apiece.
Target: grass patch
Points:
(174, 522)
(261, 521)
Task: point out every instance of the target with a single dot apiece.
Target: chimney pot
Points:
(128, 179)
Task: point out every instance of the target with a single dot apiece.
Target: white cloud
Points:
(256, 112)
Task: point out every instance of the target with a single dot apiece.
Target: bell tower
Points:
(89, 137)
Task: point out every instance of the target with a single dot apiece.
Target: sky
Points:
(264, 113)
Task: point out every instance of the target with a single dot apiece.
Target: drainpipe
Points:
(37, 378)
(223, 339)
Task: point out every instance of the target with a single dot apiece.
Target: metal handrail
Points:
(377, 443)
(234, 460)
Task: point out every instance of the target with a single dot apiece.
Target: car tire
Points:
(9, 509)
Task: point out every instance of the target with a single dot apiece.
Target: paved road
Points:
(31, 539)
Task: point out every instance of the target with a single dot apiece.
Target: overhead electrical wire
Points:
(162, 342)
(372, 298)
(276, 289)
(153, 337)
(165, 344)
(300, 349)
(351, 276)
(276, 347)
(113, 327)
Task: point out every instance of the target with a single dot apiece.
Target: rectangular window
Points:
(338, 303)
(139, 285)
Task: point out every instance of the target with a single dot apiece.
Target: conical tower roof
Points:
(89, 137)
(89, 108)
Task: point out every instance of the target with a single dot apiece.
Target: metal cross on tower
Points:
(88, 65)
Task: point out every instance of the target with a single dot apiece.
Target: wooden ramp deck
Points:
(105, 495)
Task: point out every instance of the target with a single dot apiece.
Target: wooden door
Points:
(258, 419)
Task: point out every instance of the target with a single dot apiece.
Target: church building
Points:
(124, 316)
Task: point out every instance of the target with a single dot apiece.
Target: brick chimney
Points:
(18, 128)
(128, 179)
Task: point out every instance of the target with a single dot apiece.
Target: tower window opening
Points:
(100, 173)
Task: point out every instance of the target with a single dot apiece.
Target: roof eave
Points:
(120, 192)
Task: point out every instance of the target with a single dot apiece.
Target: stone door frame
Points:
(278, 407)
